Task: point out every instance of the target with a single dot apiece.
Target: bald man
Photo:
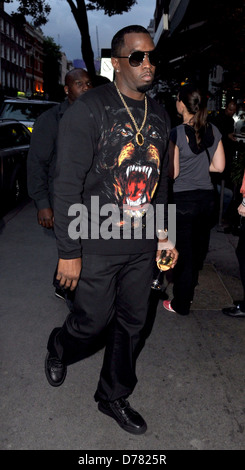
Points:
(42, 153)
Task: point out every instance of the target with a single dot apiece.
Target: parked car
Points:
(14, 146)
(25, 111)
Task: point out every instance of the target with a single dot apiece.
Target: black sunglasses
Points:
(137, 57)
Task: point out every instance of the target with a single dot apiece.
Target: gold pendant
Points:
(139, 138)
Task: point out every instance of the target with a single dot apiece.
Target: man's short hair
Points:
(118, 40)
(74, 74)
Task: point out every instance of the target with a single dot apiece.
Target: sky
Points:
(63, 29)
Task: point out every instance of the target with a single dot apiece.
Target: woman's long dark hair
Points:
(195, 103)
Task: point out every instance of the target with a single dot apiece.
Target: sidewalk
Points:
(191, 377)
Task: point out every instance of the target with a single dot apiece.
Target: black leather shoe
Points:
(55, 370)
(129, 419)
(234, 311)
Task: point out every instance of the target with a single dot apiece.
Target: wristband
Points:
(162, 234)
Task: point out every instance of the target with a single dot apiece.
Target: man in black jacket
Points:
(41, 159)
(112, 167)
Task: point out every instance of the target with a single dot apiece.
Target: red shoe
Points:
(167, 306)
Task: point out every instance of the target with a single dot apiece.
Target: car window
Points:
(24, 111)
(13, 135)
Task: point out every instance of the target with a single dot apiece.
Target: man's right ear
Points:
(115, 64)
(66, 89)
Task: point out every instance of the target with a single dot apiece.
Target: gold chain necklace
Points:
(139, 137)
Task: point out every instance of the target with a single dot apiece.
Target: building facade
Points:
(13, 55)
(22, 58)
(65, 66)
(203, 42)
(34, 61)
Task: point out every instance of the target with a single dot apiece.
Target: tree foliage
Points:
(111, 7)
(51, 72)
(40, 9)
(37, 9)
(79, 11)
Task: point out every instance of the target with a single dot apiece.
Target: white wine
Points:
(164, 262)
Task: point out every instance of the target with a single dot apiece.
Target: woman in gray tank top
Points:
(195, 150)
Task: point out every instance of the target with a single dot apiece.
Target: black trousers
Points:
(240, 252)
(194, 216)
(111, 302)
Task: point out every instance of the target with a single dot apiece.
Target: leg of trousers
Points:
(240, 252)
(193, 212)
(113, 296)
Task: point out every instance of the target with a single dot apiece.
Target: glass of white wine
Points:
(164, 263)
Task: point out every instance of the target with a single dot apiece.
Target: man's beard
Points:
(144, 88)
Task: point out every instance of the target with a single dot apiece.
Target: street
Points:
(190, 373)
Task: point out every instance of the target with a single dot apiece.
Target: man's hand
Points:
(241, 210)
(45, 217)
(232, 136)
(68, 272)
(170, 251)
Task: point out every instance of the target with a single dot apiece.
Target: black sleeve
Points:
(39, 160)
(76, 144)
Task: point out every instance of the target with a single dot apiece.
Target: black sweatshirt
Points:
(101, 169)
(42, 156)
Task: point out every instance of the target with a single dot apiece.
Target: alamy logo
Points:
(112, 222)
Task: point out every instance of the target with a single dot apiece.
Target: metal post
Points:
(221, 202)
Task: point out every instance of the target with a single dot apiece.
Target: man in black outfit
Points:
(239, 309)
(225, 123)
(43, 149)
(112, 155)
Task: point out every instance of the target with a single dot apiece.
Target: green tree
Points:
(40, 9)
(52, 55)
(37, 9)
